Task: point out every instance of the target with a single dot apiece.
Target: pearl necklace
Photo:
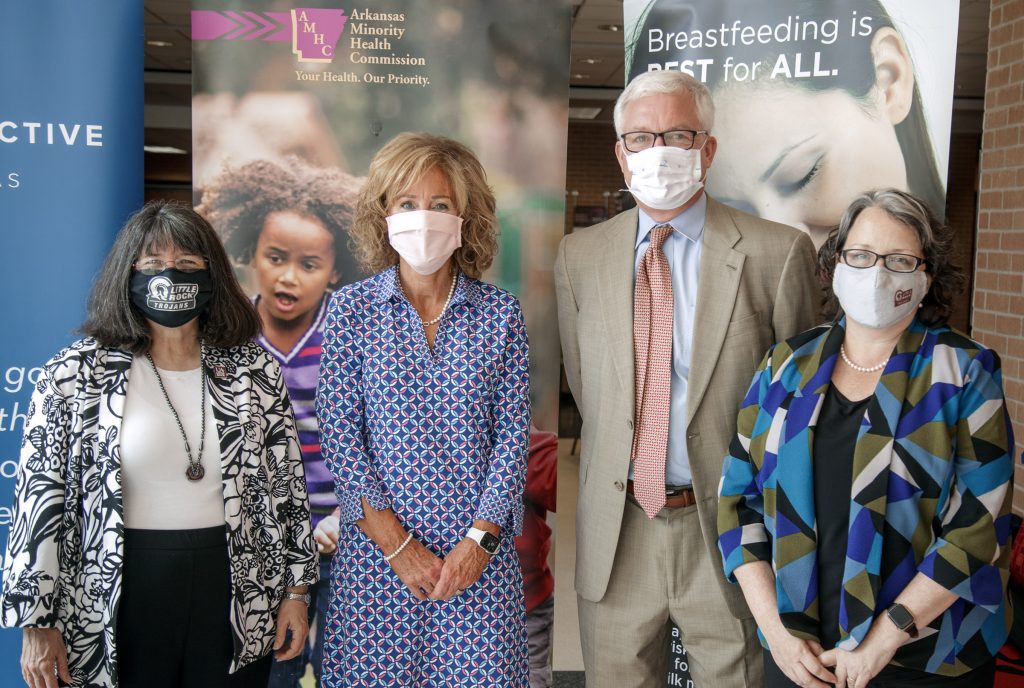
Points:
(444, 308)
(860, 369)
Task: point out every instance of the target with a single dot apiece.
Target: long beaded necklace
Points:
(860, 369)
(451, 292)
(195, 470)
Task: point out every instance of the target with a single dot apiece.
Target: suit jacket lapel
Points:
(615, 279)
(720, 269)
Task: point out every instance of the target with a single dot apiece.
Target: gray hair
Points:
(667, 81)
(936, 244)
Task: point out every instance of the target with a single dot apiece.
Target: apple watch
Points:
(487, 541)
(902, 619)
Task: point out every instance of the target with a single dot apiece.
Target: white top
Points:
(156, 493)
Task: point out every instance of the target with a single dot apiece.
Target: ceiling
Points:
(596, 74)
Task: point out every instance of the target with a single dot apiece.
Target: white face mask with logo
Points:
(664, 177)
(878, 297)
(425, 239)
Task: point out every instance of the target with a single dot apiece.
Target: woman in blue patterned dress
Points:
(424, 412)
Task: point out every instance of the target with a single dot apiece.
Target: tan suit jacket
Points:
(756, 287)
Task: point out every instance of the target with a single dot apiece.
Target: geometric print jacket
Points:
(65, 547)
(931, 492)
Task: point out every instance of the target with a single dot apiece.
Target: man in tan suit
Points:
(714, 288)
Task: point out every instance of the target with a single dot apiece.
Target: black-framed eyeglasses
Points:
(154, 266)
(896, 262)
(636, 141)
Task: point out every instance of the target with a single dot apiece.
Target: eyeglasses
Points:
(896, 262)
(636, 141)
(154, 266)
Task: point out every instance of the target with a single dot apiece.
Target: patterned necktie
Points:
(652, 354)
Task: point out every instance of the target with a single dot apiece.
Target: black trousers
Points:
(897, 677)
(173, 628)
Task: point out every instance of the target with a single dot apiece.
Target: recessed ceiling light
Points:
(171, 150)
(577, 75)
(610, 27)
(590, 60)
(160, 44)
(584, 112)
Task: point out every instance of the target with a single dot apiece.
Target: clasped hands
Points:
(807, 664)
(429, 577)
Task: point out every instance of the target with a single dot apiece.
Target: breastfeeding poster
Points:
(297, 100)
(816, 100)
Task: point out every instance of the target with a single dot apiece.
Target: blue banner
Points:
(71, 136)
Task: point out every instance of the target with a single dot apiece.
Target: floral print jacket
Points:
(65, 548)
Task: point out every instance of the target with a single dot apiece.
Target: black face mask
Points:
(172, 297)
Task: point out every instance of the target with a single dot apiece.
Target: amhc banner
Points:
(317, 89)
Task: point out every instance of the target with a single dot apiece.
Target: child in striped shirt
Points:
(289, 225)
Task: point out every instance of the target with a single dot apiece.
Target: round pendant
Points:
(195, 472)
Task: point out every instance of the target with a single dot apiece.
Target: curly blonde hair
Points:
(402, 162)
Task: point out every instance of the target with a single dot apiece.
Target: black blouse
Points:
(834, 442)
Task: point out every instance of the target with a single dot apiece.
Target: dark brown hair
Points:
(238, 202)
(230, 319)
(936, 243)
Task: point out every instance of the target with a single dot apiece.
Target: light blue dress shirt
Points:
(682, 249)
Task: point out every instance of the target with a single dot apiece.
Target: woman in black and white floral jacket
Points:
(161, 534)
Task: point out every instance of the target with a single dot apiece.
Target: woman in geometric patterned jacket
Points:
(161, 532)
(865, 504)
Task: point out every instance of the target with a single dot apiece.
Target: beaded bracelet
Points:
(400, 548)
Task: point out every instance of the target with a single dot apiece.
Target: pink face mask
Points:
(425, 239)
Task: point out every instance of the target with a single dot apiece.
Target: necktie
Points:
(652, 349)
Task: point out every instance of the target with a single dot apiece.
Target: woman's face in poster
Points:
(799, 157)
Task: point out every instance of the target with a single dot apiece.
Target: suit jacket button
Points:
(619, 485)
(629, 423)
(692, 435)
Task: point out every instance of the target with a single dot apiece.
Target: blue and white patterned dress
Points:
(440, 437)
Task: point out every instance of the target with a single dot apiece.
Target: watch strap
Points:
(300, 596)
(480, 536)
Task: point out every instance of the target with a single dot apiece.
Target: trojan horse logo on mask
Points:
(166, 296)
(172, 298)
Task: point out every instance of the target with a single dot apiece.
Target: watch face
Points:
(490, 543)
(900, 616)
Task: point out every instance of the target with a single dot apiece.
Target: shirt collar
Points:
(386, 288)
(689, 223)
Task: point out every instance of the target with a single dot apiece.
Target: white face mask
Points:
(425, 239)
(876, 296)
(664, 177)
